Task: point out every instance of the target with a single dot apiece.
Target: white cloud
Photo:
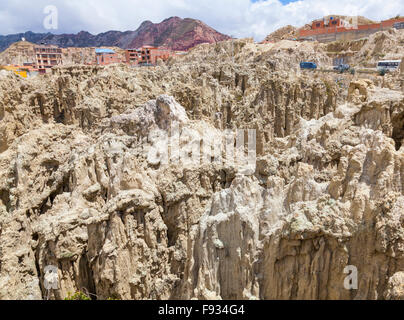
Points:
(240, 18)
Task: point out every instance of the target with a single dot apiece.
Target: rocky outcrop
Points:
(285, 33)
(396, 287)
(85, 185)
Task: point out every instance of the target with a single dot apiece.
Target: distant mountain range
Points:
(174, 33)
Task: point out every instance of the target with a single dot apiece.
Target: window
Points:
(318, 25)
(334, 22)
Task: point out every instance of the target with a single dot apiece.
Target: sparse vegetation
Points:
(77, 296)
(328, 86)
(67, 255)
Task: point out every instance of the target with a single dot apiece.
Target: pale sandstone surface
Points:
(80, 189)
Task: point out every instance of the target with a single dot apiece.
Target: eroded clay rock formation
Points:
(83, 186)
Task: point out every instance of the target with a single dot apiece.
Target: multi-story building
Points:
(133, 56)
(147, 55)
(105, 57)
(47, 56)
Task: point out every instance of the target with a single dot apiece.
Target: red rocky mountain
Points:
(176, 33)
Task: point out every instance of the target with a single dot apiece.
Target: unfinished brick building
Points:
(133, 56)
(147, 55)
(47, 56)
(105, 57)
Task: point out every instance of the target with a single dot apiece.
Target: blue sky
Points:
(240, 18)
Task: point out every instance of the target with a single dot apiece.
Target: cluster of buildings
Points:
(334, 28)
(44, 58)
(144, 56)
(41, 60)
(47, 56)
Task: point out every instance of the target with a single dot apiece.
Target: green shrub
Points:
(77, 296)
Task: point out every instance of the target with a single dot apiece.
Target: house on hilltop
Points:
(333, 28)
